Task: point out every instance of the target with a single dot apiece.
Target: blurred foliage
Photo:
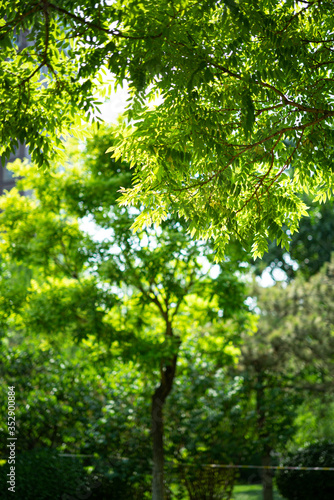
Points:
(208, 483)
(314, 421)
(122, 297)
(66, 404)
(43, 474)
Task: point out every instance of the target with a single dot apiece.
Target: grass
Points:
(251, 492)
(242, 492)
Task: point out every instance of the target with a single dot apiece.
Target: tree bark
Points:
(267, 478)
(158, 401)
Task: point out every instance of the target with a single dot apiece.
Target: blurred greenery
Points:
(43, 474)
(310, 247)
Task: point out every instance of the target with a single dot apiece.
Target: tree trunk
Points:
(267, 478)
(158, 401)
(158, 448)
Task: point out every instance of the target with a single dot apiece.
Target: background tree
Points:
(203, 424)
(129, 290)
(269, 383)
(314, 421)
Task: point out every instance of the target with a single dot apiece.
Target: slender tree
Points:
(288, 360)
(126, 289)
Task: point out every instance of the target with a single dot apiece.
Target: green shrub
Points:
(41, 474)
(206, 483)
(308, 484)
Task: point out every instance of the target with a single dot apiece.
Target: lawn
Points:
(251, 492)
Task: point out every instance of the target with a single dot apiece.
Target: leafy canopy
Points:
(246, 92)
(138, 293)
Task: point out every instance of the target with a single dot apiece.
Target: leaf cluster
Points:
(245, 124)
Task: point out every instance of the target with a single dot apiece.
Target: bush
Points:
(308, 484)
(206, 483)
(43, 474)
